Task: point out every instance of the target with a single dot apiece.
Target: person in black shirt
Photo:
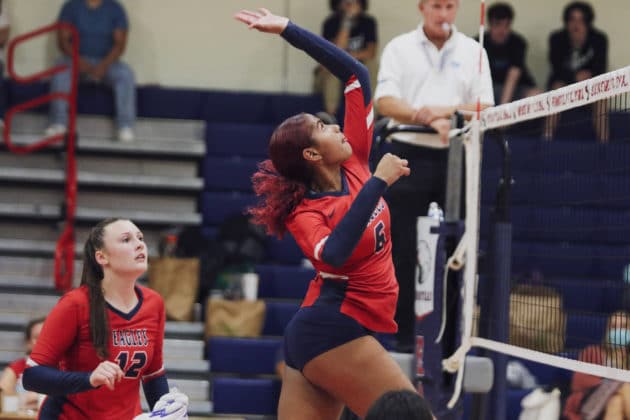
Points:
(576, 53)
(353, 30)
(506, 53)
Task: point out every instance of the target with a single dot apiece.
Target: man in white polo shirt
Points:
(425, 76)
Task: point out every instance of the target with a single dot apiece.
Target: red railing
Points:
(64, 250)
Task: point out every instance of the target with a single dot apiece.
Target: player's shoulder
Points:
(150, 296)
(77, 296)
(312, 203)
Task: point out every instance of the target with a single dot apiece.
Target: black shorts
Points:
(316, 329)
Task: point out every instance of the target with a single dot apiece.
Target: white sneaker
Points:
(55, 129)
(126, 135)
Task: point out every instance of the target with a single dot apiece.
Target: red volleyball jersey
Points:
(367, 282)
(135, 344)
(18, 366)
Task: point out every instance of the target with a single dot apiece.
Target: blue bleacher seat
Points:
(245, 396)
(210, 232)
(584, 330)
(513, 406)
(216, 206)
(553, 258)
(277, 316)
(619, 125)
(160, 102)
(236, 139)
(92, 98)
(283, 282)
(95, 99)
(580, 294)
(285, 106)
(285, 251)
(229, 173)
(233, 107)
(245, 356)
(18, 93)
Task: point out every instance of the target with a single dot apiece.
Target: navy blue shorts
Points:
(315, 330)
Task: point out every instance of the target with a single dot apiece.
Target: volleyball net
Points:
(567, 181)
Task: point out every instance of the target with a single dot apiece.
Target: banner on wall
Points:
(425, 265)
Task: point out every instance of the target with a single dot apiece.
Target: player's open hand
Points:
(106, 373)
(391, 167)
(263, 20)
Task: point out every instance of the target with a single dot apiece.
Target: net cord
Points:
(596, 89)
(552, 360)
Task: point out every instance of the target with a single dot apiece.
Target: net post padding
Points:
(576, 95)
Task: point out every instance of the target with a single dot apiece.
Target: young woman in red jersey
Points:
(317, 185)
(103, 338)
(11, 379)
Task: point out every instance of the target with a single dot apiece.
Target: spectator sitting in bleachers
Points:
(352, 29)
(11, 380)
(103, 28)
(576, 53)
(593, 395)
(506, 52)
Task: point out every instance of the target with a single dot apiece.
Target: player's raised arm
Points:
(339, 62)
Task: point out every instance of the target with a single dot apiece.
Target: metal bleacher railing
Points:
(64, 250)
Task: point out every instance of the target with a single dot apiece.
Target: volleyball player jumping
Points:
(317, 186)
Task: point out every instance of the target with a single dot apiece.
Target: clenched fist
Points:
(391, 167)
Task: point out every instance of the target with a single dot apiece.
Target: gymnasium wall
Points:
(196, 43)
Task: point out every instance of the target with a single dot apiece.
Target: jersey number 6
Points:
(379, 236)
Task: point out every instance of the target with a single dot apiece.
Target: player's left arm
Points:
(57, 335)
(154, 382)
(335, 246)
(359, 115)
(346, 68)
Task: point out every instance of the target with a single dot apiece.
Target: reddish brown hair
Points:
(280, 183)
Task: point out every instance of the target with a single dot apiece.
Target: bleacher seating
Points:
(246, 396)
(284, 282)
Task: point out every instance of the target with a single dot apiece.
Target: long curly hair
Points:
(282, 181)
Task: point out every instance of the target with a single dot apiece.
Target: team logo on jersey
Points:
(130, 338)
(377, 211)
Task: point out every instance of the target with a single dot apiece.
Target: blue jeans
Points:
(119, 76)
